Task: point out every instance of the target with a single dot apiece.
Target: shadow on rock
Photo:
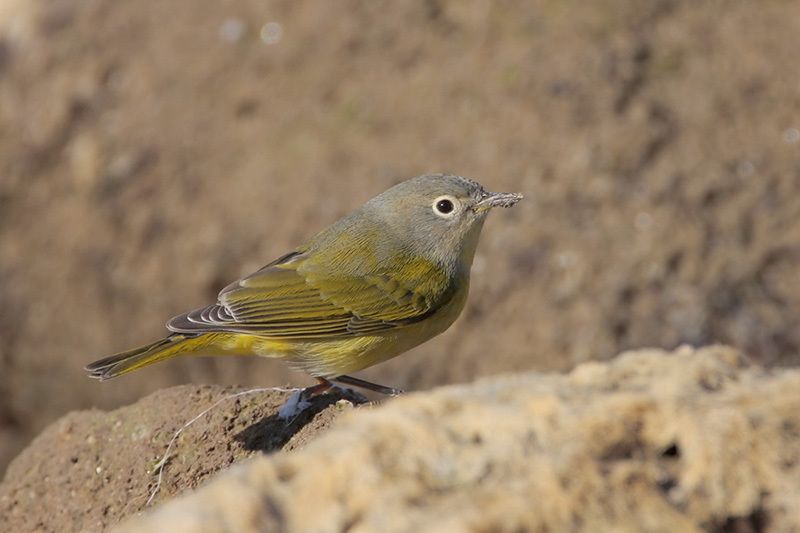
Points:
(271, 433)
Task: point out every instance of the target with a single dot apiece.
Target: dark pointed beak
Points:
(497, 199)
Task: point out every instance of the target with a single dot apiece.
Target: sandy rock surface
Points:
(651, 441)
(694, 440)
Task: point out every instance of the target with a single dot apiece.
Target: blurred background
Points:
(153, 151)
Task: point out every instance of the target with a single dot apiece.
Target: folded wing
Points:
(294, 298)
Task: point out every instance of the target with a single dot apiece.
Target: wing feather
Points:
(295, 298)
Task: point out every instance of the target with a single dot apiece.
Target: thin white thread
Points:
(162, 463)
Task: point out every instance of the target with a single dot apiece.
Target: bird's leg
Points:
(299, 401)
(321, 386)
(356, 382)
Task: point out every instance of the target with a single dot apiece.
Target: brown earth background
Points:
(151, 152)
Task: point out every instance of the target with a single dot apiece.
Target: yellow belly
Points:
(336, 357)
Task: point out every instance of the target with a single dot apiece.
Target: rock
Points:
(652, 441)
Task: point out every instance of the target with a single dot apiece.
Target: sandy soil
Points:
(92, 468)
(150, 152)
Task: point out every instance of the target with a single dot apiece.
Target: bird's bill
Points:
(497, 199)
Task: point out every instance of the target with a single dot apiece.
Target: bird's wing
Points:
(296, 298)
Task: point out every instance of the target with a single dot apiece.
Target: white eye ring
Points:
(446, 206)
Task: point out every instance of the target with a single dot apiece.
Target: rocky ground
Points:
(652, 441)
(151, 152)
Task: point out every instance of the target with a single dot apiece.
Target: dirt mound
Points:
(690, 441)
(91, 469)
(151, 152)
(651, 441)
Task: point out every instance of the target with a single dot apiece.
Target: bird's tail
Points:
(122, 363)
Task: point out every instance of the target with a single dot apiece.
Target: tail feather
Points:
(124, 362)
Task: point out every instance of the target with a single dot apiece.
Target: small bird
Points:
(378, 282)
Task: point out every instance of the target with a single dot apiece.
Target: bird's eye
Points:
(445, 206)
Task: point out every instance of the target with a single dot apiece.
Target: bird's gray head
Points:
(438, 215)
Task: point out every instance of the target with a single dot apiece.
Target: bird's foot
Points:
(296, 404)
(299, 401)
